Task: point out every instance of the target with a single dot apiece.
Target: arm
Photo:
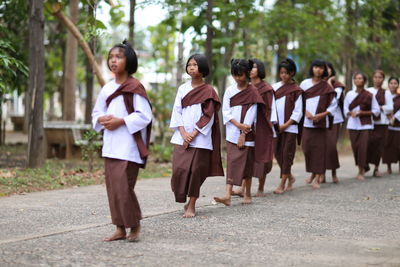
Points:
(99, 112)
(388, 107)
(296, 116)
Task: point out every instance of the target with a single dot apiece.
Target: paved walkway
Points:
(350, 224)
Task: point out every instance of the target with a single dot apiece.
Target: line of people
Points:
(261, 121)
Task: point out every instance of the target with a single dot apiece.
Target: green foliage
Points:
(90, 147)
(161, 153)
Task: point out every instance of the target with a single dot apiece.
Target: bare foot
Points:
(335, 180)
(309, 180)
(261, 194)
(322, 179)
(377, 173)
(237, 193)
(133, 235)
(292, 180)
(118, 235)
(247, 200)
(315, 185)
(225, 201)
(279, 190)
(189, 212)
(360, 177)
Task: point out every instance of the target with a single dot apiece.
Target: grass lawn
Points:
(56, 173)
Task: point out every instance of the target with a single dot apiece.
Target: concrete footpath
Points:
(352, 223)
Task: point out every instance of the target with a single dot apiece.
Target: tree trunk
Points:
(282, 51)
(70, 67)
(36, 83)
(179, 63)
(131, 24)
(351, 19)
(89, 77)
(210, 33)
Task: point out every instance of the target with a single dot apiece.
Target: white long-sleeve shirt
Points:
(355, 123)
(188, 117)
(397, 116)
(274, 115)
(229, 113)
(280, 108)
(119, 143)
(386, 109)
(312, 104)
(337, 113)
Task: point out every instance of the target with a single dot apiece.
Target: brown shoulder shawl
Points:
(127, 89)
(364, 100)
(396, 107)
(210, 104)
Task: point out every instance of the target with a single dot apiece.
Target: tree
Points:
(36, 83)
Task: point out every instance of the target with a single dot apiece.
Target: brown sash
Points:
(292, 92)
(210, 104)
(380, 98)
(396, 107)
(364, 100)
(127, 89)
(326, 95)
(337, 84)
(264, 133)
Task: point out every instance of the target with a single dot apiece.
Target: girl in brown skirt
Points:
(332, 157)
(289, 107)
(239, 111)
(391, 153)
(377, 137)
(359, 106)
(197, 137)
(319, 105)
(123, 110)
(266, 117)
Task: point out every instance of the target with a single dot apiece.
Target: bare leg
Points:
(134, 234)
(335, 179)
(389, 168)
(226, 200)
(119, 234)
(261, 184)
(281, 187)
(247, 191)
(376, 171)
(360, 175)
(309, 180)
(190, 208)
(240, 191)
(316, 184)
(292, 180)
(322, 179)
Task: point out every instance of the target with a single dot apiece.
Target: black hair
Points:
(318, 63)
(289, 65)
(131, 58)
(332, 68)
(380, 72)
(202, 64)
(260, 68)
(241, 66)
(362, 74)
(393, 78)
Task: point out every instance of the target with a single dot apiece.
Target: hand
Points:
(185, 135)
(185, 145)
(283, 127)
(318, 117)
(244, 128)
(354, 114)
(309, 115)
(242, 139)
(194, 133)
(113, 123)
(104, 118)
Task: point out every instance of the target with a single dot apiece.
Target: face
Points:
(193, 69)
(284, 75)
(318, 71)
(117, 61)
(254, 72)
(377, 79)
(393, 85)
(329, 72)
(240, 79)
(359, 80)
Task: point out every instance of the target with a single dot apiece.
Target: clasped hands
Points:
(244, 129)
(187, 137)
(316, 117)
(110, 122)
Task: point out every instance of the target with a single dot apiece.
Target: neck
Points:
(316, 79)
(242, 86)
(359, 89)
(256, 80)
(121, 77)
(287, 82)
(196, 81)
(378, 87)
